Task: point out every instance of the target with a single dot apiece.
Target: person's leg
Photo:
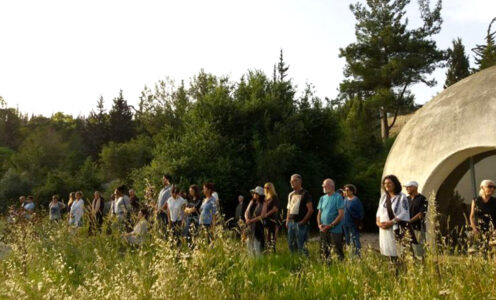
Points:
(347, 234)
(324, 246)
(355, 235)
(292, 236)
(337, 244)
(301, 237)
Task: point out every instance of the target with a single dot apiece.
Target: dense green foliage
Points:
(485, 54)
(388, 57)
(458, 64)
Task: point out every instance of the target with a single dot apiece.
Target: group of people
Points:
(175, 211)
(339, 218)
(400, 217)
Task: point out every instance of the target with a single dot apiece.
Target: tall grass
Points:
(51, 261)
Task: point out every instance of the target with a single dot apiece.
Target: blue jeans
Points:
(351, 233)
(297, 236)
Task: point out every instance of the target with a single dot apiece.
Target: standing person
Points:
(28, 207)
(192, 211)
(72, 197)
(208, 210)
(254, 219)
(300, 209)
(55, 207)
(163, 196)
(353, 215)
(238, 214)
(97, 206)
(120, 209)
(134, 201)
(270, 215)
(393, 209)
(483, 213)
(175, 212)
(77, 210)
(331, 212)
(417, 205)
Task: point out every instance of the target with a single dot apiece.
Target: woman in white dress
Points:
(77, 211)
(393, 209)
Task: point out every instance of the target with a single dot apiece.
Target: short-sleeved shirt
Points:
(416, 205)
(297, 204)
(163, 196)
(55, 210)
(192, 203)
(175, 207)
(207, 211)
(329, 206)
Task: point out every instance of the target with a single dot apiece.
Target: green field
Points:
(51, 261)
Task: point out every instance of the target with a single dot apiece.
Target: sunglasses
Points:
(491, 186)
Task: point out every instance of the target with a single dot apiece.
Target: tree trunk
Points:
(384, 125)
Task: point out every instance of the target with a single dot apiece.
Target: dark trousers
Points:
(331, 241)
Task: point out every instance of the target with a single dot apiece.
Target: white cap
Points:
(411, 183)
(258, 190)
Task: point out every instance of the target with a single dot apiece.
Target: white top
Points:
(120, 207)
(175, 207)
(387, 241)
(77, 211)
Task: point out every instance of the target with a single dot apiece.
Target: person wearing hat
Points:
(418, 209)
(253, 217)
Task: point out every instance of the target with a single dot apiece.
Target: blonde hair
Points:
(484, 183)
(271, 191)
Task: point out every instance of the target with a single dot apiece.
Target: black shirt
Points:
(297, 205)
(485, 213)
(416, 205)
(274, 202)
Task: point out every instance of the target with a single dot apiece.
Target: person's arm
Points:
(169, 216)
(308, 214)
(417, 217)
(472, 218)
(264, 210)
(319, 225)
(378, 222)
(338, 218)
(247, 213)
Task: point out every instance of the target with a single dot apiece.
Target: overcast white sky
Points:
(62, 55)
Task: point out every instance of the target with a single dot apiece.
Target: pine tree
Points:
(96, 131)
(388, 58)
(121, 125)
(458, 64)
(485, 55)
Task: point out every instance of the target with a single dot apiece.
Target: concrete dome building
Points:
(449, 146)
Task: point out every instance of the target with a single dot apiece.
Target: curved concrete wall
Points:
(458, 123)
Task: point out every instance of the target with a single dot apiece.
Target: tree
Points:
(121, 125)
(458, 64)
(485, 55)
(388, 58)
(96, 131)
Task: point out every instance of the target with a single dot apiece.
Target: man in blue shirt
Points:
(331, 212)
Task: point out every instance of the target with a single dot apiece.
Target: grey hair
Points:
(484, 183)
(297, 176)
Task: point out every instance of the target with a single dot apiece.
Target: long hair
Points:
(396, 182)
(196, 191)
(72, 196)
(270, 190)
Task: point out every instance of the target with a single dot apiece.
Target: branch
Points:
(398, 106)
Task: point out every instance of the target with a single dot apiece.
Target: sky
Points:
(63, 55)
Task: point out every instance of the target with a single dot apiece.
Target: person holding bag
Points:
(392, 217)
